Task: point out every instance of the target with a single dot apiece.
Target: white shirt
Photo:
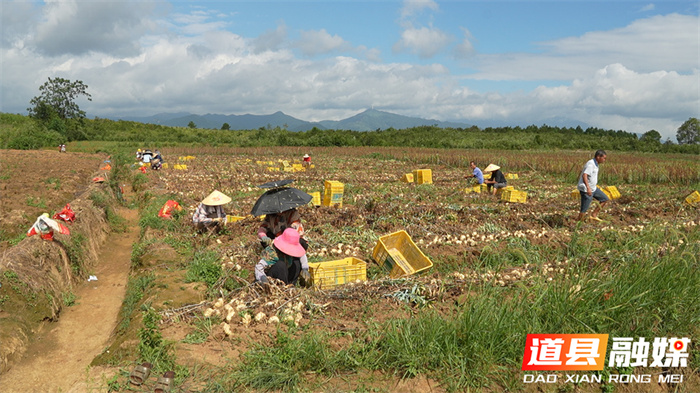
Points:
(591, 169)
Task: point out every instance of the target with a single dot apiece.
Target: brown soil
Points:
(36, 182)
(59, 356)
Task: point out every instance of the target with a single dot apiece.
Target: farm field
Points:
(36, 182)
(500, 271)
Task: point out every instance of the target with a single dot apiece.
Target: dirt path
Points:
(58, 358)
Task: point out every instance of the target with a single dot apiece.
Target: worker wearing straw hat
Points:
(497, 179)
(210, 213)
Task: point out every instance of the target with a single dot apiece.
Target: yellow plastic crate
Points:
(693, 199)
(399, 255)
(423, 176)
(511, 176)
(611, 192)
(477, 188)
(506, 188)
(329, 201)
(331, 274)
(316, 198)
(514, 196)
(333, 193)
(231, 219)
(333, 187)
(407, 178)
(180, 167)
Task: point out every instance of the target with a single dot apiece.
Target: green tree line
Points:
(23, 132)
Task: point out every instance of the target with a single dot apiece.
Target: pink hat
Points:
(288, 243)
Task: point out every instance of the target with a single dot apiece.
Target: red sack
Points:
(143, 169)
(167, 210)
(67, 214)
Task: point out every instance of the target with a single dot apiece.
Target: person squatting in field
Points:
(476, 173)
(588, 186)
(274, 225)
(157, 161)
(210, 213)
(496, 180)
(284, 259)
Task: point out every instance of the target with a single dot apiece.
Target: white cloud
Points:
(315, 42)
(648, 7)
(215, 71)
(72, 27)
(667, 42)
(465, 49)
(413, 7)
(424, 42)
(270, 39)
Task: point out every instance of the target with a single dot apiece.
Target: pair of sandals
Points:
(141, 372)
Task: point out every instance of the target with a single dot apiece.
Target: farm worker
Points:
(210, 212)
(306, 161)
(45, 227)
(588, 186)
(139, 154)
(158, 156)
(284, 259)
(476, 173)
(274, 224)
(497, 179)
(155, 164)
(147, 156)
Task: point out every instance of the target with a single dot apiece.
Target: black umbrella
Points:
(276, 183)
(278, 200)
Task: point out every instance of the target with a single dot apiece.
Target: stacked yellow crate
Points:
(423, 176)
(333, 193)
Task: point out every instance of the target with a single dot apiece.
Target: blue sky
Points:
(627, 65)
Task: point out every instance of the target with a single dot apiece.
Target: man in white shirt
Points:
(588, 186)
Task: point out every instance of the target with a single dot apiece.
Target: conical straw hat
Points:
(491, 168)
(216, 198)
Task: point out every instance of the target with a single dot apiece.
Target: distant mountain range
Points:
(369, 120)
